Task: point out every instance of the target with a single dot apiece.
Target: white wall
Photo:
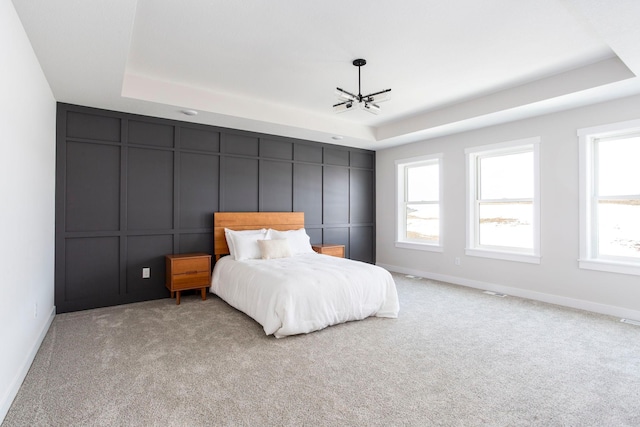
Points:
(557, 279)
(27, 178)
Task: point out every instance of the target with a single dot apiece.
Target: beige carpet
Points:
(454, 357)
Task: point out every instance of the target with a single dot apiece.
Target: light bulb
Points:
(370, 107)
(377, 97)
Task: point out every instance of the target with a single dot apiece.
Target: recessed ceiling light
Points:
(189, 112)
(337, 137)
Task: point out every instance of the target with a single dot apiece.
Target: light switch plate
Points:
(146, 272)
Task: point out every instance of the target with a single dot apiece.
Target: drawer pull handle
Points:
(191, 272)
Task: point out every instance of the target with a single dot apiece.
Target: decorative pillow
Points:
(229, 234)
(298, 240)
(276, 248)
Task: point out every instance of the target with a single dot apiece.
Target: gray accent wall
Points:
(131, 189)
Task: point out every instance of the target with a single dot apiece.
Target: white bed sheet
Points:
(305, 293)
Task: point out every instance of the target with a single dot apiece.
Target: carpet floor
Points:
(454, 357)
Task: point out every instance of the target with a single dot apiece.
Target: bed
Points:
(296, 290)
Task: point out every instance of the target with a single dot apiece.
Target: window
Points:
(418, 221)
(610, 198)
(503, 207)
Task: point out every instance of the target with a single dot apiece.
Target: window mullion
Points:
(620, 197)
(507, 200)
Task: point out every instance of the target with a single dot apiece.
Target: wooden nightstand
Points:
(333, 250)
(188, 271)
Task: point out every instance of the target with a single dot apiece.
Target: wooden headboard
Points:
(250, 221)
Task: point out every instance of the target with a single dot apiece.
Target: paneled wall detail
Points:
(131, 189)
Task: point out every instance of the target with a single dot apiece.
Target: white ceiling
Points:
(272, 65)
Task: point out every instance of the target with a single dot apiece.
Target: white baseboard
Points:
(11, 393)
(522, 293)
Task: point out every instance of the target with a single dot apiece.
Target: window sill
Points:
(507, 256)
(419, 246)
(610, 266)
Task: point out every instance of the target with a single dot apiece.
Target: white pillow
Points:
(246, 246)
(228, 234)
(276, 248)
(299, 240)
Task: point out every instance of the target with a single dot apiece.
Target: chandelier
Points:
(366, 102)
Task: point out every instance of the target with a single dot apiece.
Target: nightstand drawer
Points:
(190, 265)
(189, 280)
(333, 250)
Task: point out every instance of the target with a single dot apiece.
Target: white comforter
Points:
(305, 293)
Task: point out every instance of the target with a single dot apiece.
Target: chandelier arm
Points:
(339, 89)
(377, 93)
(342, 103)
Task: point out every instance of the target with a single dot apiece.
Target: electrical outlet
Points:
(35, 311)
(457, 261)
(146, 272)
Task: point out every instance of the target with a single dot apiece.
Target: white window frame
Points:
(473, 247)
(401, 241)
(589, 258)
